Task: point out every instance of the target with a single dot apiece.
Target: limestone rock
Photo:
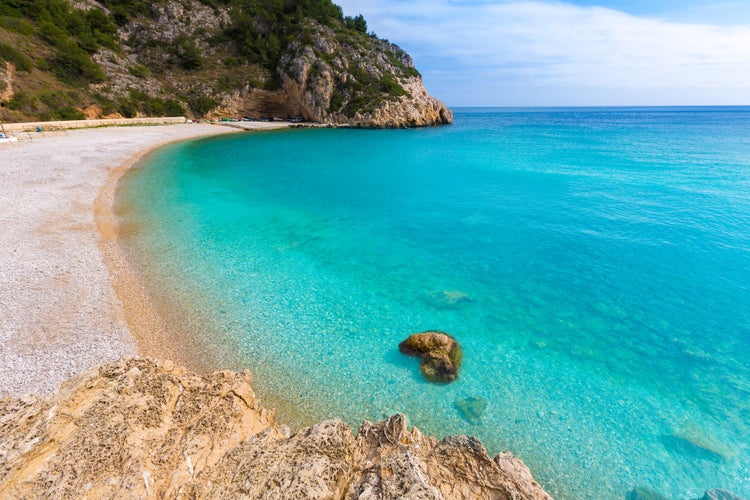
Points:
(472, 408)
(360, 81)
(440, 355)
(143, 429)
(225, 60)
(334, 77)
(395, 462)
(149, 424)
(517, 477)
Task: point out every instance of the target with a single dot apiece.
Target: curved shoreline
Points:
(67, 301)
(70, 305)
(154, 336)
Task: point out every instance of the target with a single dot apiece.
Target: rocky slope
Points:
(211, 58)
(143, 429)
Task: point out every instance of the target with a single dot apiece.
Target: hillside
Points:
(204, 58)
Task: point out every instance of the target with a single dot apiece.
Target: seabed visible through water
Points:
(594, 264)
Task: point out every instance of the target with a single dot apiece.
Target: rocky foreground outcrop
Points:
(142, 429)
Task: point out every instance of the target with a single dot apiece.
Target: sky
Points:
(571, 53)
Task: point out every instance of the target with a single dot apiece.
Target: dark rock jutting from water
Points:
(439, 352)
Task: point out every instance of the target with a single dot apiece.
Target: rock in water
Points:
(718, 494)
(471, 409)
(699, 439)
(641, 493)
(447, 299)
(440, 353)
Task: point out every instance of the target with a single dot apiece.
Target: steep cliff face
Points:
(353, 78)
(143, 429)
(325, 74)
(212, 58)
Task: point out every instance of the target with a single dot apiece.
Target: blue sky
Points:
(572, 53)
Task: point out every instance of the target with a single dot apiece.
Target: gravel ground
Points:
(59, 314)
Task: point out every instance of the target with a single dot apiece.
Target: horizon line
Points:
(599, 106)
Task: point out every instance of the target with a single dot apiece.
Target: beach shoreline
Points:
(68, 300)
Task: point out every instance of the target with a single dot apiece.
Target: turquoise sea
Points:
(594, 263)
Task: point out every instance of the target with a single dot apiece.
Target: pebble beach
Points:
(59, 312)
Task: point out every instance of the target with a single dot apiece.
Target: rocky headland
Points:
(139, 428)
(207, 59)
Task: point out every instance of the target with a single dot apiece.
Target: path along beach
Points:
(67, 300)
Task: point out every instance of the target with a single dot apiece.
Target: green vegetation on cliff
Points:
(262, 30)
(71, 36)
(138, 57)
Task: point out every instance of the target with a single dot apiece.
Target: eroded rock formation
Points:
(326, 75)
(145, 429)
(217, 59)
(439, 353)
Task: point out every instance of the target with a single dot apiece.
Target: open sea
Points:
(593, 262)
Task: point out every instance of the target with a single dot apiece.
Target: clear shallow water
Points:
(606, 254)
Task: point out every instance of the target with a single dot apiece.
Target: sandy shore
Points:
(59, 313)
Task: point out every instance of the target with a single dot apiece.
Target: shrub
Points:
(200, 104)
(42, 64)
(76, 68)
(124, 10)
(16, 25)
(230, 81)
(54, 99)
(356, 23)
(188, 53)
(127, 108)
(69, 113)
(262, 29)
(10, 54)
(139, 71)
(108, 106)
(140, 102)
(23, 101)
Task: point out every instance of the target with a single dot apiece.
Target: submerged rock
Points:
(447, 299)
(719, 494)
(641, 493)
(145, 429)
(471, 409)
(440, 353)
(694, 437)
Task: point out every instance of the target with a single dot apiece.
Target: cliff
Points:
(206, 58)
(140, 429)
(358, 80)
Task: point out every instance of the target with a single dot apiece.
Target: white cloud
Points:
(562, 45)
